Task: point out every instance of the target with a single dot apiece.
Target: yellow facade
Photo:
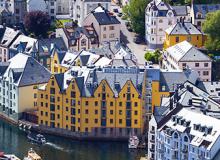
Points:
(196, 40)
(157, 94)
(78, 113)
(56, 66)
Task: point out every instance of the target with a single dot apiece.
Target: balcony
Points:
(152, 131)
(152, 141)
(152, 149)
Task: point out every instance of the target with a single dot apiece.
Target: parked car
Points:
(115, 10)
(120, 14)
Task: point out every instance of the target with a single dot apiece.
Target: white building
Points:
(188, 135)
(48, 6)
(79, 9)
(19, 78)
(184, 55)
(158, 17)
(161, 143)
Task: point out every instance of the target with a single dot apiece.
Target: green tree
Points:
(154, 57)
(135, 12)
(212, 29)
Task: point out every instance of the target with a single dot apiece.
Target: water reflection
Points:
(12, 140)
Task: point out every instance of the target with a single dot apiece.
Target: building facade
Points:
(106, 25)
(80, 9)
(104, 107)
(184, 31)
(183, 55)
(159, 16)
(79, 38)
(20, 77)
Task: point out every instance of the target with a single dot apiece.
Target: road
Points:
(127, 37)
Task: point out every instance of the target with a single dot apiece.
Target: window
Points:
(189, 39)
(206, 64)
(111, 27)
(73, 94)
(96, 103)
(52, 90)
(104, 28)
(83, 42)
(104, 35)
(96, 112)
(170, 22)
(112, 35)
(177, 39)
(86, 103)
(120, 104)
(86, 111)
(184, 65)
(96, 121)
(52, 107)
(205, 73)
(135, 112)
(111, 104)
(120, 121)
(196, 64)
(160, 21)
(111, 121)
(135, 104)
(111, 112)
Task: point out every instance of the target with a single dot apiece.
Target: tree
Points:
(135, 12)
(154, 57)
(37, 22)
(212, 29)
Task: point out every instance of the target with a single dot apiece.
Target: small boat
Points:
(32, 155)
(36, 138)
(133, 142)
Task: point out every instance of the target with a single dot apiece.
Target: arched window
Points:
(175, 135)
(83, 42)
(185, 139)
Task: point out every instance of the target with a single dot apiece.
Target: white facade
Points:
(158, 17)
(79, 9)
(187, 135)
(183, 55)
(63, 7)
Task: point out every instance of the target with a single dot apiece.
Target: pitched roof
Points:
(170, 82)
(182, 28)
(184, 51)
(103, 17)
(26, 70)
(181, 10)
(9, 36)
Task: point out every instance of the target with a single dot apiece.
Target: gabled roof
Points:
(26, 71)
(103, 17)
(9, 36)
(184, 51)
(183, 28)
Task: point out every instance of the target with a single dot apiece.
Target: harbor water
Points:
(14, 141)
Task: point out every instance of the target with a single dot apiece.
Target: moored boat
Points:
(36, 138)
(133, 142)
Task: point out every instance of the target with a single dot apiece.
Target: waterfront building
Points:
(94, 102)
(9, 35)
(159, 16)
(19, 79)
(187, 96)
(184, 31)
(106, 25)
(78, 38)
(186, 134)
(199, 12)
(80, 9)
(184, 55)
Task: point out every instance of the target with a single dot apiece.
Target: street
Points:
(127, 38)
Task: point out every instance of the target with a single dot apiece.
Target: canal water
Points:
(14, 141)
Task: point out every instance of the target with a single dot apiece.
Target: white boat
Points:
(133, 142)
